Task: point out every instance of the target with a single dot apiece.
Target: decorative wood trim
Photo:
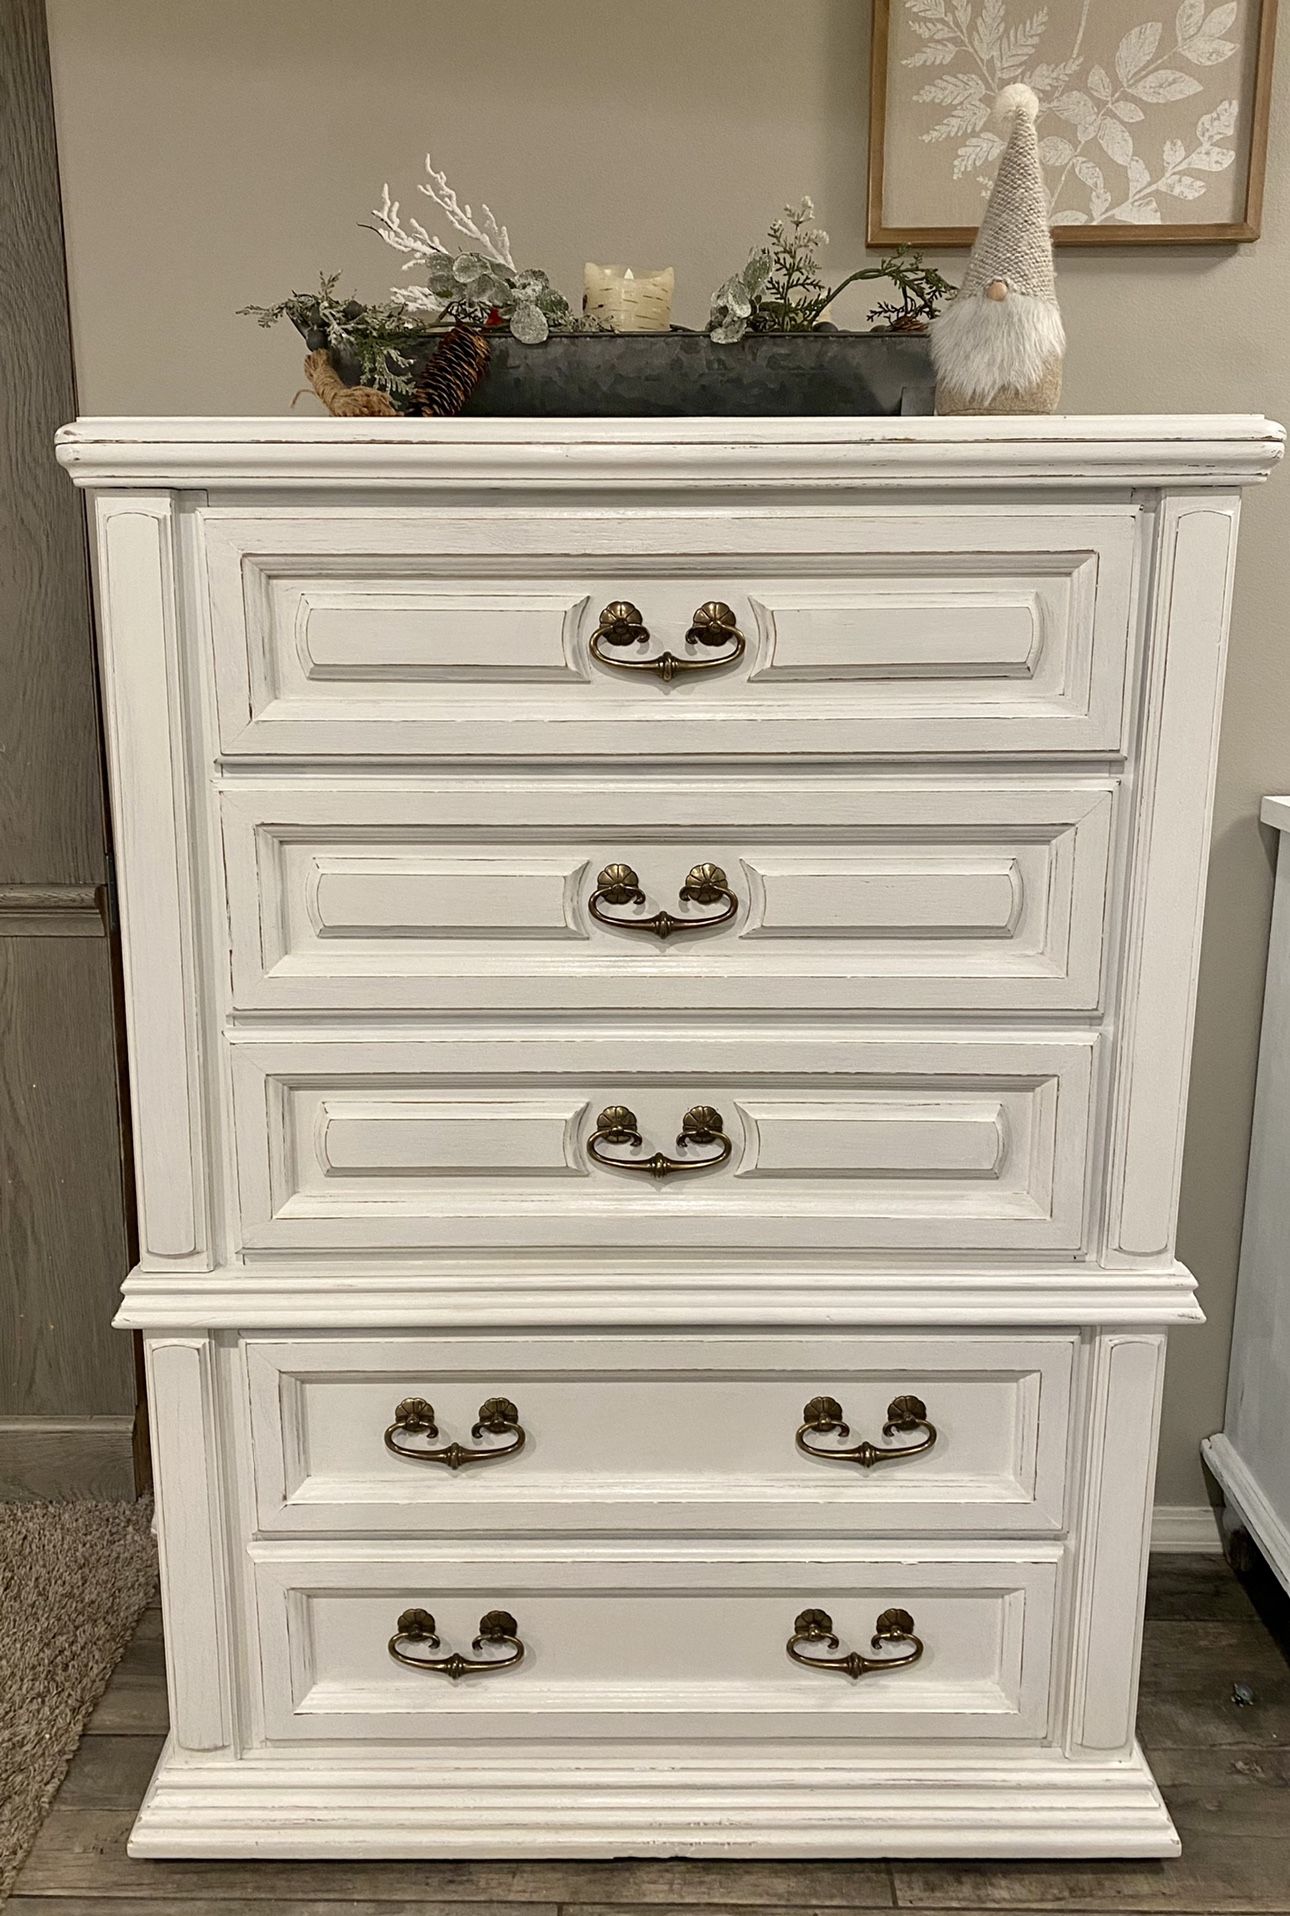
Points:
(1123, 1422)
(643, 455)
(342, 1295)
(66, 1457)
(190, 1531)
(51, 911)
(137, 586)
(1187, 647)
(1210, 233)
(877, 1803)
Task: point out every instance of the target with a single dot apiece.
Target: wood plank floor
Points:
(1224, 1767)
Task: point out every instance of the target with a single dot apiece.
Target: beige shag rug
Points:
(74, 1579)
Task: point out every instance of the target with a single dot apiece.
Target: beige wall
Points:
(216, 152)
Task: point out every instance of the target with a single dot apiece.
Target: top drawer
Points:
(428, 633)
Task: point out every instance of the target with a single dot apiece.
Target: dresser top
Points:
(1175, 450)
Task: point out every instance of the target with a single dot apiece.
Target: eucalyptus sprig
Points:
(483, 280)
(782, 290)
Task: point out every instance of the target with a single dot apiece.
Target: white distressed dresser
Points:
(659, 961)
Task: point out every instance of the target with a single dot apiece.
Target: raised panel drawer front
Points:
(528, 1139)
(658, 1435)
(443, 633)
(690, 1643)
(846, 895)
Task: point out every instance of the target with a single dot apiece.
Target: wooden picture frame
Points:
(1249, 142)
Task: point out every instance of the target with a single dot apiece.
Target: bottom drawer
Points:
(689, 1644)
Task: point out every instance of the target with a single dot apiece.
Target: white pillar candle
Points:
(627, 301)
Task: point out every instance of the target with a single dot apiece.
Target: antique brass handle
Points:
(414, 1417)
(824, 1414)
(418, 1627)
(893, 1626)
(701, 1125)
(713, 627)
(704, 885)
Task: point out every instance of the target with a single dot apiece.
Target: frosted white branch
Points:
(487, 237)
(417, 299)
(412, 239)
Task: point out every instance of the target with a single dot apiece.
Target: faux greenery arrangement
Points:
(477, 287)
(470, 289)
(780, 290)
(374, 336)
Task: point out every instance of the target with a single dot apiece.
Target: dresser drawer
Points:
(891, 631)
(833, 895)
(612, 1143)
(631, 1436)
(690, 1643)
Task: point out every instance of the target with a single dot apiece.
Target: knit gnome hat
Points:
(1003, 334)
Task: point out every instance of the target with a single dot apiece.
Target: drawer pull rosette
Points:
(414, 1417)
(816, 1627)
(700, 1126)
(905, 1415)
(704, 885)
(713, 627)
(414, 1641)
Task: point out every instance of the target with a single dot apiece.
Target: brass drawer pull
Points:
(893, 1626)
(414, 1417)
(824, 1414)
(418, 1627)
(713, 626)
(701, 1125)
(704, 885)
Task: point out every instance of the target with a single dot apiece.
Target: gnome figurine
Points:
(997, 347)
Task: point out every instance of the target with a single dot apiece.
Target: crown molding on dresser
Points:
(651, 454)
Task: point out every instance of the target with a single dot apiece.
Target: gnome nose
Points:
(997, 289)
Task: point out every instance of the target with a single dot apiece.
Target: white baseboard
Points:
(1186, 1527)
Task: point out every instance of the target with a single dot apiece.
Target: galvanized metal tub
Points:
(676, 374)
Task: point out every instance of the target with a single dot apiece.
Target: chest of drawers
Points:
(659, 966)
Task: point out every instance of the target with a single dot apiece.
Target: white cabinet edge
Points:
(644, 454)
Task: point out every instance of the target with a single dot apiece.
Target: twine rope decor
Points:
(341, 400)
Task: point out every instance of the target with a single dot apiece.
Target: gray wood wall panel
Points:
(62, 1237)
(66, 1378)
(50, 784)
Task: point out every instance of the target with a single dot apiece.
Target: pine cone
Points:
(451, 375)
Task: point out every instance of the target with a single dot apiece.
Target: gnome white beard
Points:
(982, 347)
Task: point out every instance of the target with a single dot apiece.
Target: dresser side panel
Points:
(139, 621)
(187, 1451)
(1174, 772)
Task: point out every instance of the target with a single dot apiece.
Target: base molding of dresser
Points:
(265, 1806)
(1244, 1494)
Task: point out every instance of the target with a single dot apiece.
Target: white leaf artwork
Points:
(1136, 49)
(1133, 112)
(1166, 84)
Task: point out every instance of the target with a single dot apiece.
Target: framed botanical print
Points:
(1153, 119)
